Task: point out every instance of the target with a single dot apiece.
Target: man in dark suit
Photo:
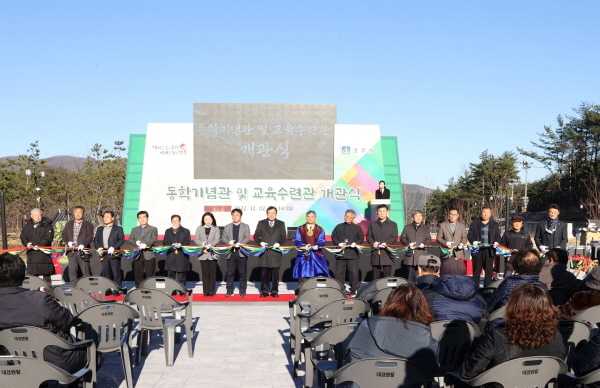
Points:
(551, 232)
(484, 232)
(236, 233)
(144, 237)
(381, 233)
(109, 237)
(416, 235)
(346, 235)
(78, 234)
(270, 232)
(382, 193)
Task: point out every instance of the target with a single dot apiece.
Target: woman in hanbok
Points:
(310, 262)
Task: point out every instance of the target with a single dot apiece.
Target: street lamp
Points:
(35, 173)
(526, 165)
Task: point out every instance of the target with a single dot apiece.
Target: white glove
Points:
(80, 247)
(35, 248)
(143, 246)
(204, 244)
(412, 245)
(449, 244)
(276, 245)
(421, 246)
(496, 244)
(315, 247)
(237, 244)
(231, 242)
(460, 246)
(341, 245)
(138, 243)
(558, 247)
(174, 245)
(70, 244)
(353, 245)
(376, 244)
(476, 242)
(178, 246)
(29, 245)
(263, 244)
(99, 250)
(111, 250)
(382, 245)
(543, 248)
(208, 246)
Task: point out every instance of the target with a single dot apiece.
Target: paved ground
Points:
(235, 345)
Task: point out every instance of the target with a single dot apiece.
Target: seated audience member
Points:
(555, 275)
(527, 266)
(23, 307)
(455, 297)
(428, 267)
(587, 359)
(583, 300)
(401, 330)
(521, 335)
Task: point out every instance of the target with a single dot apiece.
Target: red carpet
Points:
(223, 298)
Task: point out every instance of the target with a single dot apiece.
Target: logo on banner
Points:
(345, 150)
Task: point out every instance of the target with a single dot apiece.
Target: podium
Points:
(373, 207)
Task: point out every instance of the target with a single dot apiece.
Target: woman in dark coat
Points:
(401, 330)
(38, 232)
(521, 335)
(177, 263)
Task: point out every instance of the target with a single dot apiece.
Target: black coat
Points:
(276, 234)
(41, 236)
(23, 307)
(382, 232)
(351, 232)
(587, 359)
(385, 195)
(177, 260)
(115, 240)
(475, 231)
(552, 240)
(493, 349)
(421, 235)
(516, 240)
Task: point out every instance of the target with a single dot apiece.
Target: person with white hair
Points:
(38, 232)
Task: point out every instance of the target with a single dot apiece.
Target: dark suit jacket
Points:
(419, 236)
(115, 239)
(149, 238)
(475, 231)
(382, 232)
(385, 195)
(276, 234)
(551, 240)
(353, 233)
(86, 234)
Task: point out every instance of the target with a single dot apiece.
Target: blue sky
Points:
(448, 78)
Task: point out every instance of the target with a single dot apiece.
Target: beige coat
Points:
(460, 237)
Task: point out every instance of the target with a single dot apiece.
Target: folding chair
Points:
(590, 378)
(333, 314)
(495, 283)
(75, 299)
(167, 285)
(110, 326)
(319, 345)
(381, 373)
(307, 301)
(379, 298)
(16, 373)
(522, 372)
(99, 287)
(390, 282)
(574, 334)
(35, 283)
(498, 314)
(29, 341)
(319, 282)
(591, 316)
(455, 339)
(150, 305)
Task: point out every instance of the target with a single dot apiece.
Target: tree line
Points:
(98, 184)
(570, 153)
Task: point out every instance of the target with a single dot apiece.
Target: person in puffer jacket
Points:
(455, 297)
(527, 266)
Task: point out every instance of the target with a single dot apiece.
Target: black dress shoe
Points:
(229, 294)
(263, 296)
(243, 295)
(275, 295)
